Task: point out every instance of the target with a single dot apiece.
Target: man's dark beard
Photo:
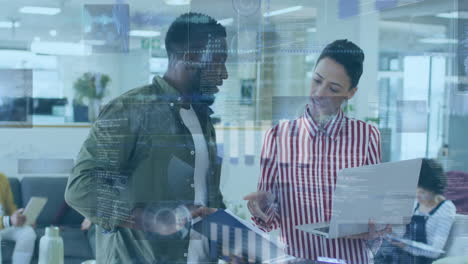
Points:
(203, 98)
(201, 94)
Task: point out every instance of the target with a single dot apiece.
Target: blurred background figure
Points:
(12, 226)
(431, 222)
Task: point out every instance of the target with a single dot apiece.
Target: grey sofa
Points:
(76, 245)
(457, 242)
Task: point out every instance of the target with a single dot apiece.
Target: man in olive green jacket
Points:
(139, 171)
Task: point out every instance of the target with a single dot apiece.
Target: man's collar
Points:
(174, 97)
(331, 128)
(167, 92)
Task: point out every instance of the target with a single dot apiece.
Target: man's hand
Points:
(18, 218)
(166, 221)
(259, 203)
(201, 211)
(86, 224)
(372, 234)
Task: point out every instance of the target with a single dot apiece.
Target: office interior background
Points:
(412, 87)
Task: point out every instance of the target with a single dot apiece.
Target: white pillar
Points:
(362, 29)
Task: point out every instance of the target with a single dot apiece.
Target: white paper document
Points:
(415, 244)
(33, 209)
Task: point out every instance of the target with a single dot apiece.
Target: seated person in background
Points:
(12, 225)
(431, 222)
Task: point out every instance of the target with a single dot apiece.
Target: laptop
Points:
(383, 192)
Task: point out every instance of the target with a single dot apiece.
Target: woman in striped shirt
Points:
(301, 158)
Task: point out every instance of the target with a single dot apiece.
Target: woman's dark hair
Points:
(347, 54)
(432, 177)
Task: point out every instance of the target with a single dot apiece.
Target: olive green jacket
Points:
(124, 164)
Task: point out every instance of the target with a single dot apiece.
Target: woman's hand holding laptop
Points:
(260, 204)
(373, 233)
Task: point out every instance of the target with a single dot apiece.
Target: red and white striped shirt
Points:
(300, 161)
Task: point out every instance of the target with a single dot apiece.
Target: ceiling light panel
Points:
(39, 10)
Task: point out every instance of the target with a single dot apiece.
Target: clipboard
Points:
(33, 209)
(234, 236)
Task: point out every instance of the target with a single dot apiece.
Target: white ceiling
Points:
(145, 14)
(157, 15)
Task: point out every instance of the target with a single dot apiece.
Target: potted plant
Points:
(90, 88)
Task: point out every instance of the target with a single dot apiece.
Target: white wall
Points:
(126, 70)
(38, 143)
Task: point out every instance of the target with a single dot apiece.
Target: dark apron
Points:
(416, 231)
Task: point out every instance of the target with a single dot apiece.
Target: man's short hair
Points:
(349, 55)
(190, 32)
(432, 177)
